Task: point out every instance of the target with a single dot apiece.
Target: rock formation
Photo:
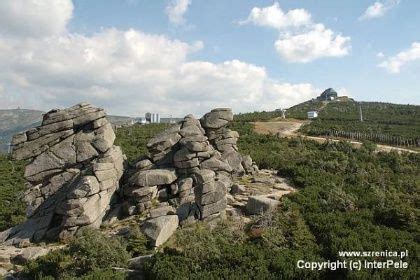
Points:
(72, 173)
(190, 168)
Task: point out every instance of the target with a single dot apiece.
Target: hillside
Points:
(387, 123)
(299, 111)
(383, 123)
(348, 199)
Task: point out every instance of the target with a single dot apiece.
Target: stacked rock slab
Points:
(73, 171)
(190, 167)
(225, 140)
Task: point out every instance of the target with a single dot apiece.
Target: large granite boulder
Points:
(72, 173)
(259, 204)
(159, 229)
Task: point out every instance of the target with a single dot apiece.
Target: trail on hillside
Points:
(284, 128)
(290, 128)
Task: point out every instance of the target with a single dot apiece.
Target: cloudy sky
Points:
(188, 56)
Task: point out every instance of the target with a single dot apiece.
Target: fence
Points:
(374, 137)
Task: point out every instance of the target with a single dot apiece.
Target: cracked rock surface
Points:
(72, 173)
(190, 167)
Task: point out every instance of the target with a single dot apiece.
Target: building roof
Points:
(329, 92)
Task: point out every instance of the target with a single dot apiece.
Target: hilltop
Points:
(339, 117)
(385, 123)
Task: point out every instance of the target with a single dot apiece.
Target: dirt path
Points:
(284, 128)
(289, 128)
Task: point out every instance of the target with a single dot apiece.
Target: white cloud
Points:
(316, 43)
(300, 39)
(378, 9)
(394, 64)
(176, 11)
(380, 54)
(129, 72)
(34, 18)
(273, 16)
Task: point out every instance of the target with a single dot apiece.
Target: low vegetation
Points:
(133, 139)
(382, 122)
(90, 255)
(12, 208)
(348, 200)
(257, 116)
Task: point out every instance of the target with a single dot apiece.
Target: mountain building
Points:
(328, 95)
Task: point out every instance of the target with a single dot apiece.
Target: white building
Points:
(312, 114)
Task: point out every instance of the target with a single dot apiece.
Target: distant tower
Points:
(360, 112)
(148, 117)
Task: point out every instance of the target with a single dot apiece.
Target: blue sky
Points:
(250, 55)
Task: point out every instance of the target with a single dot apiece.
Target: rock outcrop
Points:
(190, 168)
(72, 173)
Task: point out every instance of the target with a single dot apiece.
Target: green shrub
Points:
(137, 243)
(89, 253)
(12, 208)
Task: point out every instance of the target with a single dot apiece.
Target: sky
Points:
(176, 57)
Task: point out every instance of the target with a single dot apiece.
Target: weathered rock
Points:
(204, 176)
(185, 184)
(207, 210)
(163, 194)
(174, 189)
(72, 176)
(138, 192)
(218, 193)
(85, 151)
(29, 254)
(31, 149)
(153, 177)
(187, 164)
(237, 189)
(137, 263)
(216, 165)
(260, 204)
(19, 138)
(217, 118)
(143, 164)
(203, 155)
(234, 159)
(162, 211)
(160, 229)
(104, 138)
(3, 272)
(165, 140)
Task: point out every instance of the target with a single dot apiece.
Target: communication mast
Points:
(360, 112)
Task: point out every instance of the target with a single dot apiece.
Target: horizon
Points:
(172, 58)
(177, 117)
